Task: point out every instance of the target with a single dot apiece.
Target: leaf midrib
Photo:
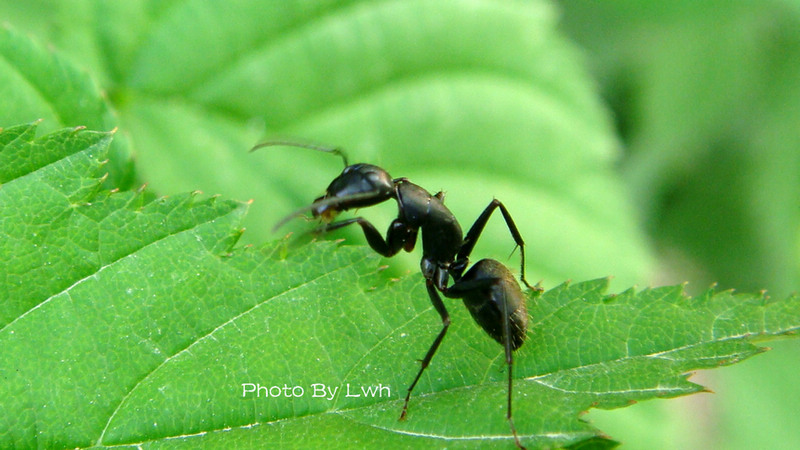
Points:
(244, 313)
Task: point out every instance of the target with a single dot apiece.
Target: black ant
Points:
(488, 289)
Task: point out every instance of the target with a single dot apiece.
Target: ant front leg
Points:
(477, 228)
(398, 236)
(439, 305)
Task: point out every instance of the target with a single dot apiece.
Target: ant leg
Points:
(497, 306)
(437, 303)
(477, 228)
(398, 236)
(510, 362)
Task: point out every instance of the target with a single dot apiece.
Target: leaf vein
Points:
(210, 334)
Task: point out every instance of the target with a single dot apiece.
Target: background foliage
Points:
(706, 97)
(698, 181)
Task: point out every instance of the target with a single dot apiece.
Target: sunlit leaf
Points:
(154, 338)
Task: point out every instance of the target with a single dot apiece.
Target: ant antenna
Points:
(334, 150)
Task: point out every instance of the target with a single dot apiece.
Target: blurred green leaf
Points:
(150, 342)
(707, 100)
(36, 84)
(480, 98)
(707, 95)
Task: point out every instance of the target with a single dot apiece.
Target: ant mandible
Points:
(488, 289)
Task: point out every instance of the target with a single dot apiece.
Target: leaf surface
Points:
(153, 341)
(36, 84)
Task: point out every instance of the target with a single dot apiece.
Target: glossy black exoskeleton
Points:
(488, 289)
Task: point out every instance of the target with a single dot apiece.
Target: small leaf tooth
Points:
(237, 234)
(192, 199)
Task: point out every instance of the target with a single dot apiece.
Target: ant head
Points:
(358, 186)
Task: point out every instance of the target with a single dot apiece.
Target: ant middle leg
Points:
(475, 231)
(440, 308)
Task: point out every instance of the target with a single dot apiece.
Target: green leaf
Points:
(36, 84)
(707, 98)
(479, 98)
(707, 95)
(150, 340)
